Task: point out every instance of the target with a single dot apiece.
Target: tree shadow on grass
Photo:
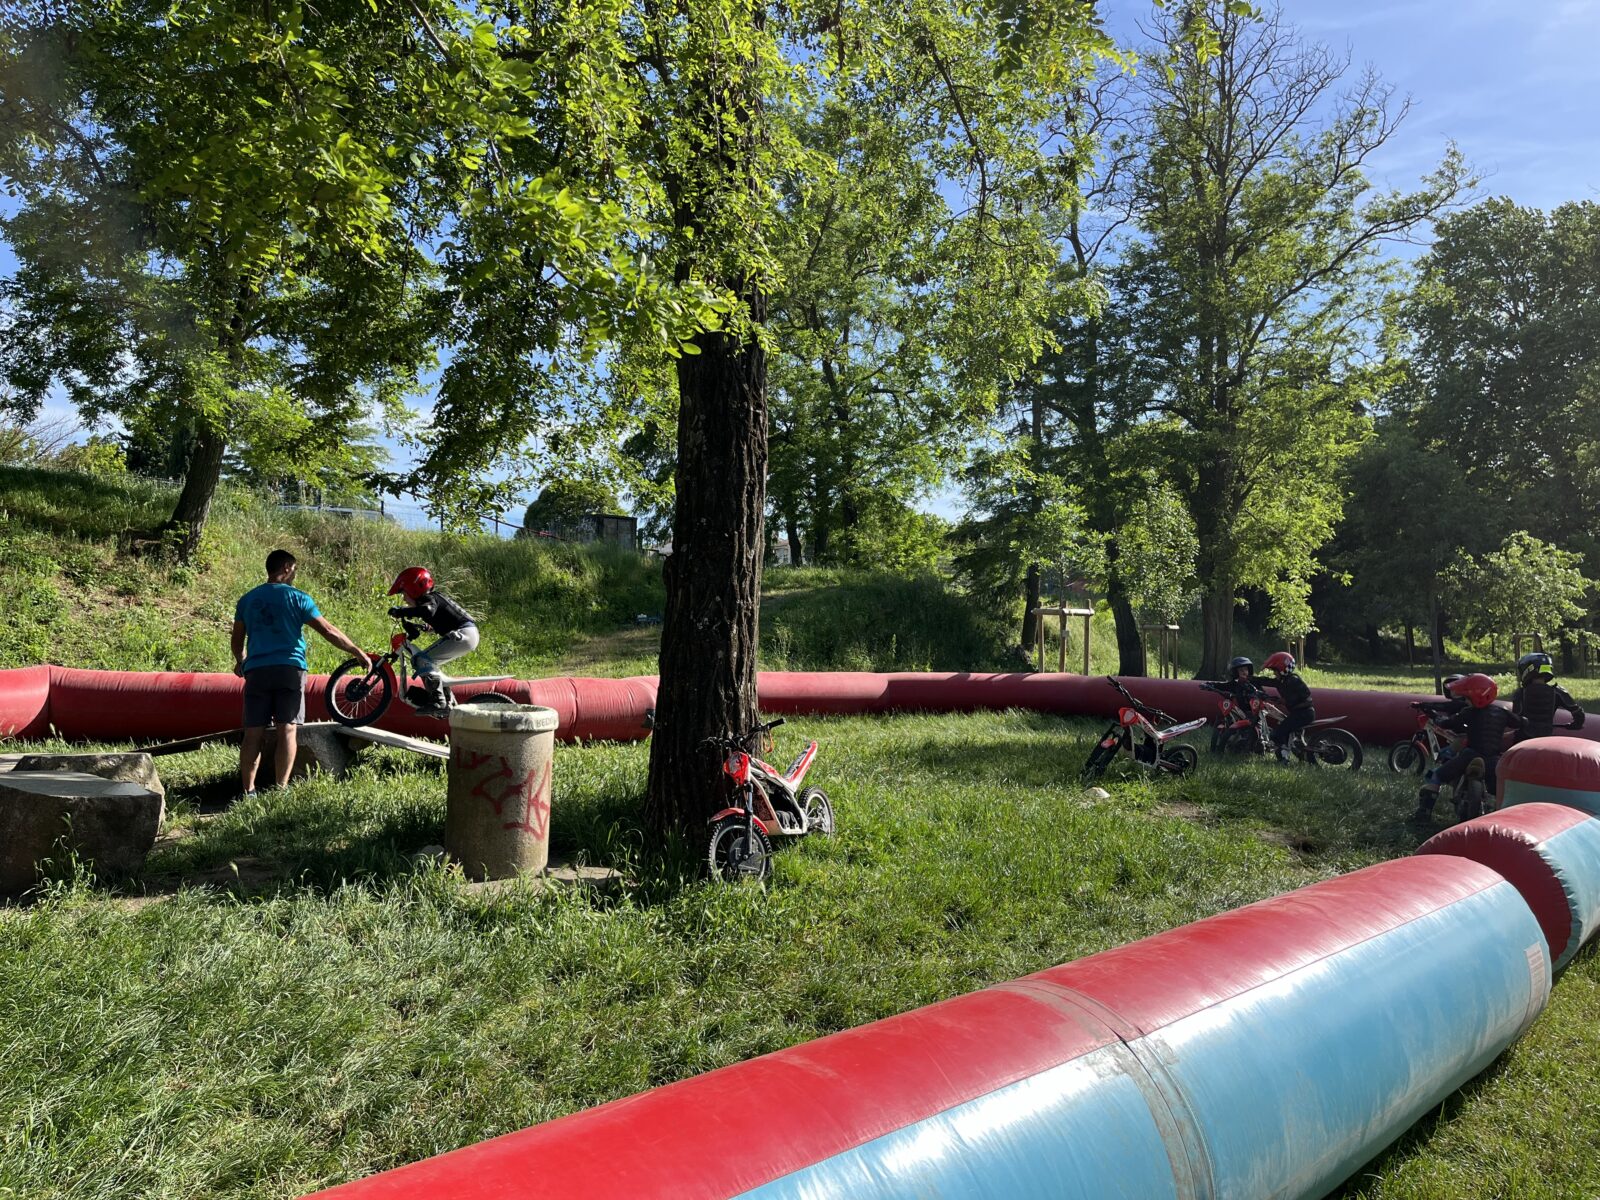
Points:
(322, 832)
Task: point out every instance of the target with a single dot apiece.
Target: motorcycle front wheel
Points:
(738, 851)
(1099, 759)
(357, 697)
(1404, 757)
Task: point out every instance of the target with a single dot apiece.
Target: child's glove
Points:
(394, 612)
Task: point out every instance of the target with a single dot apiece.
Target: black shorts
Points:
(275, 695)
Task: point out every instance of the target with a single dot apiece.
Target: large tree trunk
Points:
(1030, 601)
(1216, 628)
(797, 556)
(712, 622)
(1130, 645)
(1374, 643)
(200, 481)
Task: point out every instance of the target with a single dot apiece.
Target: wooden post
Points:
(1062, 613)
(1166, 648)
(1516, 644)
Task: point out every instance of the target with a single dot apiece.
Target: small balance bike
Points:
(768, 803)
(1134, 733)
(358, 697)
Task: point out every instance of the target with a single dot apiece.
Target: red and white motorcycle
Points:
(768, 803)
(1135, 732)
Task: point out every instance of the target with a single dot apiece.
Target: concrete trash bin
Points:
(497, 814)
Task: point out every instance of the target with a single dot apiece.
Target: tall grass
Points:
(301, 1002)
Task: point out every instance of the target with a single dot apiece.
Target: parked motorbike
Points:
(768, 803)
(1135, 732)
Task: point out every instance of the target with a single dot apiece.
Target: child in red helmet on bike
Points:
(454, 625)
(1299, 709)
(1484, 723)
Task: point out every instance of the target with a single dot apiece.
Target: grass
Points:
(285, 999)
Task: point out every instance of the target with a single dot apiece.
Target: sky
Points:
(1514, 83)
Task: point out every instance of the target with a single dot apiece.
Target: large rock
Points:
(319, 746)
(124, 768)
(110, 824)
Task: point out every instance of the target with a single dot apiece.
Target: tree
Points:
(1403, 528)
(1254, 284)
(1525, 586)
(563, 504)
(1504, 329)
(206, 240)
(969, 84)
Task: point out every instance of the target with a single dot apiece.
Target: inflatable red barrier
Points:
(1269, 1051)
(124, 705)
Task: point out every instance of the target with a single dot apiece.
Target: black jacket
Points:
(1485, 728)
(1536, 704)
(1294, 691)
(438, 612)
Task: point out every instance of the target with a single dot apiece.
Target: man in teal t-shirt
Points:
(270, 619)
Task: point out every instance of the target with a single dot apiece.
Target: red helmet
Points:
(1478, 690)
(1280, 662)
(415, 582)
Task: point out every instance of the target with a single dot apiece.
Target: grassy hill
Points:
(545, 607)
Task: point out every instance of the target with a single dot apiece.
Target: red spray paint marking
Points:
(534, 796)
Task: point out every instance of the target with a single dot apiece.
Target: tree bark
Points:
(1411, 645)
(797, 557)
(1436, 637)
(1374, 642)
(711, 626)
(1216, 627)
(1130, 645)
(200, 481)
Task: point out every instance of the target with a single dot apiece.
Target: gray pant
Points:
(453, 645)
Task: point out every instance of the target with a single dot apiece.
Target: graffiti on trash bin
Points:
(527, 801)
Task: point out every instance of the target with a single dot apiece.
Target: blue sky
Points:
(1515, 84)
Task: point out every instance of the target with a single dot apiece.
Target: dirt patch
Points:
(1295, 843)
(1182, 810)
(598, 653)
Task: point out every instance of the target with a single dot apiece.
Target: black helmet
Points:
(1536, 662)
(1236, 664)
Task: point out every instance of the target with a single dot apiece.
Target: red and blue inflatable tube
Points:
(1268, 1051)
(1553, 770)
(1551, 854)
(122, 706)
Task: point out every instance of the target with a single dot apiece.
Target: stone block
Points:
(124, 768)
(110, 824)
(320, 746)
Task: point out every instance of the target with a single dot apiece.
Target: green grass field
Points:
(286, 997)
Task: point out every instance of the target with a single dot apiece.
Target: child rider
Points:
(1538, 697)
(1300, 710)
(457, 631)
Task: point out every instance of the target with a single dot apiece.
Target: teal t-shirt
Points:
(273, 615)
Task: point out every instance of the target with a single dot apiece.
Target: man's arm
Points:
(238, 647)
(332, 633)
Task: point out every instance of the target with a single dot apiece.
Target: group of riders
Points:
(1468, 713)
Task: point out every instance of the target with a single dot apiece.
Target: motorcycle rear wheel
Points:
(818, 809)
(1180, 760)
(1333, 748)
